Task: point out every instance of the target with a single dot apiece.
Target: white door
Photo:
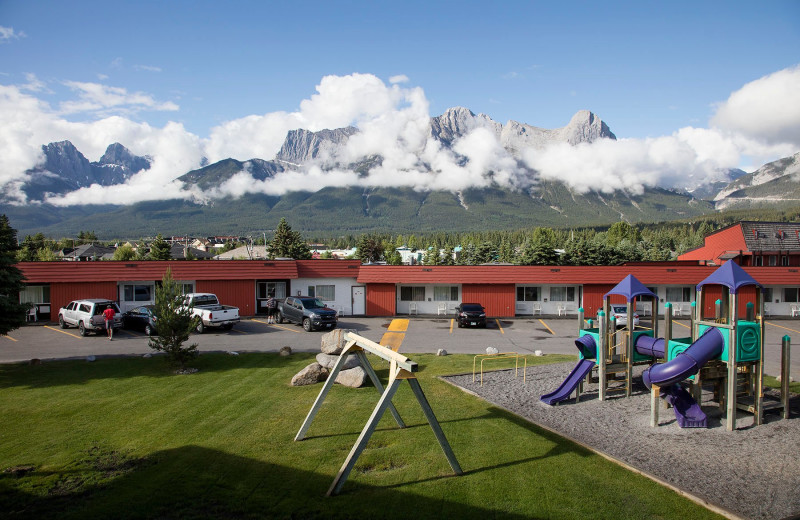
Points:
(359, 300)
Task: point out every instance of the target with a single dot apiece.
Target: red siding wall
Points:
(498, 300)
(714, 292)
(593, 298)
(63, 293)
(239, 293)
(381, 299)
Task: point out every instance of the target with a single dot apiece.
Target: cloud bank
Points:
(760, 121)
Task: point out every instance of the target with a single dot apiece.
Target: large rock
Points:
(354, 378)
(310, 375)
(328, 360)
(333, 342)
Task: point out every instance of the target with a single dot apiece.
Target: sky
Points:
(689, 88)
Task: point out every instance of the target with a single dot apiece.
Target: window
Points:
(679, 294)
(758, 261)
(768, 294)
(562, 294)
(323, 292)
(790, 294)
(412, 294)
(138, 293)
(277, 289)
(773, 260)
(528, 294)
(445, 293)
(785, 261)
(35, 294)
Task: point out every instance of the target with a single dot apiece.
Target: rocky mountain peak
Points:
(457, 122)
(586, 127)
(302, 146)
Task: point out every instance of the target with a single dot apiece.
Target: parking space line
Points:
(452, 320)
(499, 326)
(239, 331)
(276, 326)
(681, 324)
(62, 331)
(545, 326)
(9, 337)
(784, 328)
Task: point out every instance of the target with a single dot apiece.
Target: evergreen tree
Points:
(124, 253)
(448, 257)
(369, 248)
(288, 244)
(12, 313)
(159, 249)
(174, 324)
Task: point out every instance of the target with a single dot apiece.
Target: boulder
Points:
(441, 352)
(492, 350)
(312, 374)
(354, 377)
(285, 351)
(333, 342)
(328, 360)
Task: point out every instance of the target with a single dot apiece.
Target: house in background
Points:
(751, 244)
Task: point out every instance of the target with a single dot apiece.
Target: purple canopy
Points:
(630, 288)
(730, 275)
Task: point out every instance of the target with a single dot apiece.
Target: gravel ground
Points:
(753, 472)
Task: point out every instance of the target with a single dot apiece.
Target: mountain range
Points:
(337, 210)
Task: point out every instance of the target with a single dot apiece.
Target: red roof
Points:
(53, 272)
(328, 268)
(661, 273)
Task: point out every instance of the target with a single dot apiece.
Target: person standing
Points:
(271, 306)
(108, 315)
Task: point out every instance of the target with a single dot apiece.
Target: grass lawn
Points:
(125, 438)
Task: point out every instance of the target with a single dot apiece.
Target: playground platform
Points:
(751, 472)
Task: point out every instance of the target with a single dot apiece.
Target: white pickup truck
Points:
(207, 308)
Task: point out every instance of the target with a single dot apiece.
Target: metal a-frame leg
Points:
(332, 379)
(366, 433)
(437, 430)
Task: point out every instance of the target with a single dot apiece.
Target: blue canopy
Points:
(731, 276)
(630, 288)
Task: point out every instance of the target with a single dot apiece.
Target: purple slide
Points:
(688, 362)
(650, 346)
(588, 348)
(687, 411)
(583, 367)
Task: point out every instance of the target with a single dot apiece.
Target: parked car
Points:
(311, 312)
(141, 318)
(620, 312)
(87, 315)
(209, 312)
(471, 314)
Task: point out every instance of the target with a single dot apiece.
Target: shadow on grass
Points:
(78, 372)
(197, 482)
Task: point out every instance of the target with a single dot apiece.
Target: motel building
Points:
(768, 251)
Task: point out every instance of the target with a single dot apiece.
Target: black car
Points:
(471, 314)
(141, 318)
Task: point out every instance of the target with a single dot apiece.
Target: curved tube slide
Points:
(688, 362)
(650, 346)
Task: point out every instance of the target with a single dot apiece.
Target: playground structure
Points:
(725, 351)
(400, 369)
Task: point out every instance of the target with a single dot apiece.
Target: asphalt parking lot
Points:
(424, 334)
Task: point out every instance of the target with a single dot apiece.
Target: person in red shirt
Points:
(108, 314)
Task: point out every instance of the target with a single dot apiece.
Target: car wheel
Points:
(460, 325)
(228, 327)
(200, 328)
(306, 325)
(148, 330)
(280, 317)
(81, 329)
(61, 322)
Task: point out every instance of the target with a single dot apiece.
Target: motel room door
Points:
(359, 300)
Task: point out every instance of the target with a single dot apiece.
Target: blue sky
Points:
(648, 69)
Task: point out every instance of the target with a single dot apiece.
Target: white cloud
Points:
(765, 110)
(147, 68)
(96, 97)
(394, 123)
(8, 33)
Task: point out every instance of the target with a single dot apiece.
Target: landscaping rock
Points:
(538, 353)
(310, 375)
(90, 358)
(233, 353)
(492, 350)
(285, 351)
(354, 377)
(147, 356)
(328, 361)
(441, 352)
(333, 342)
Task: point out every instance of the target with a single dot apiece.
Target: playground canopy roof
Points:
(630, 288)
(730, 275)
